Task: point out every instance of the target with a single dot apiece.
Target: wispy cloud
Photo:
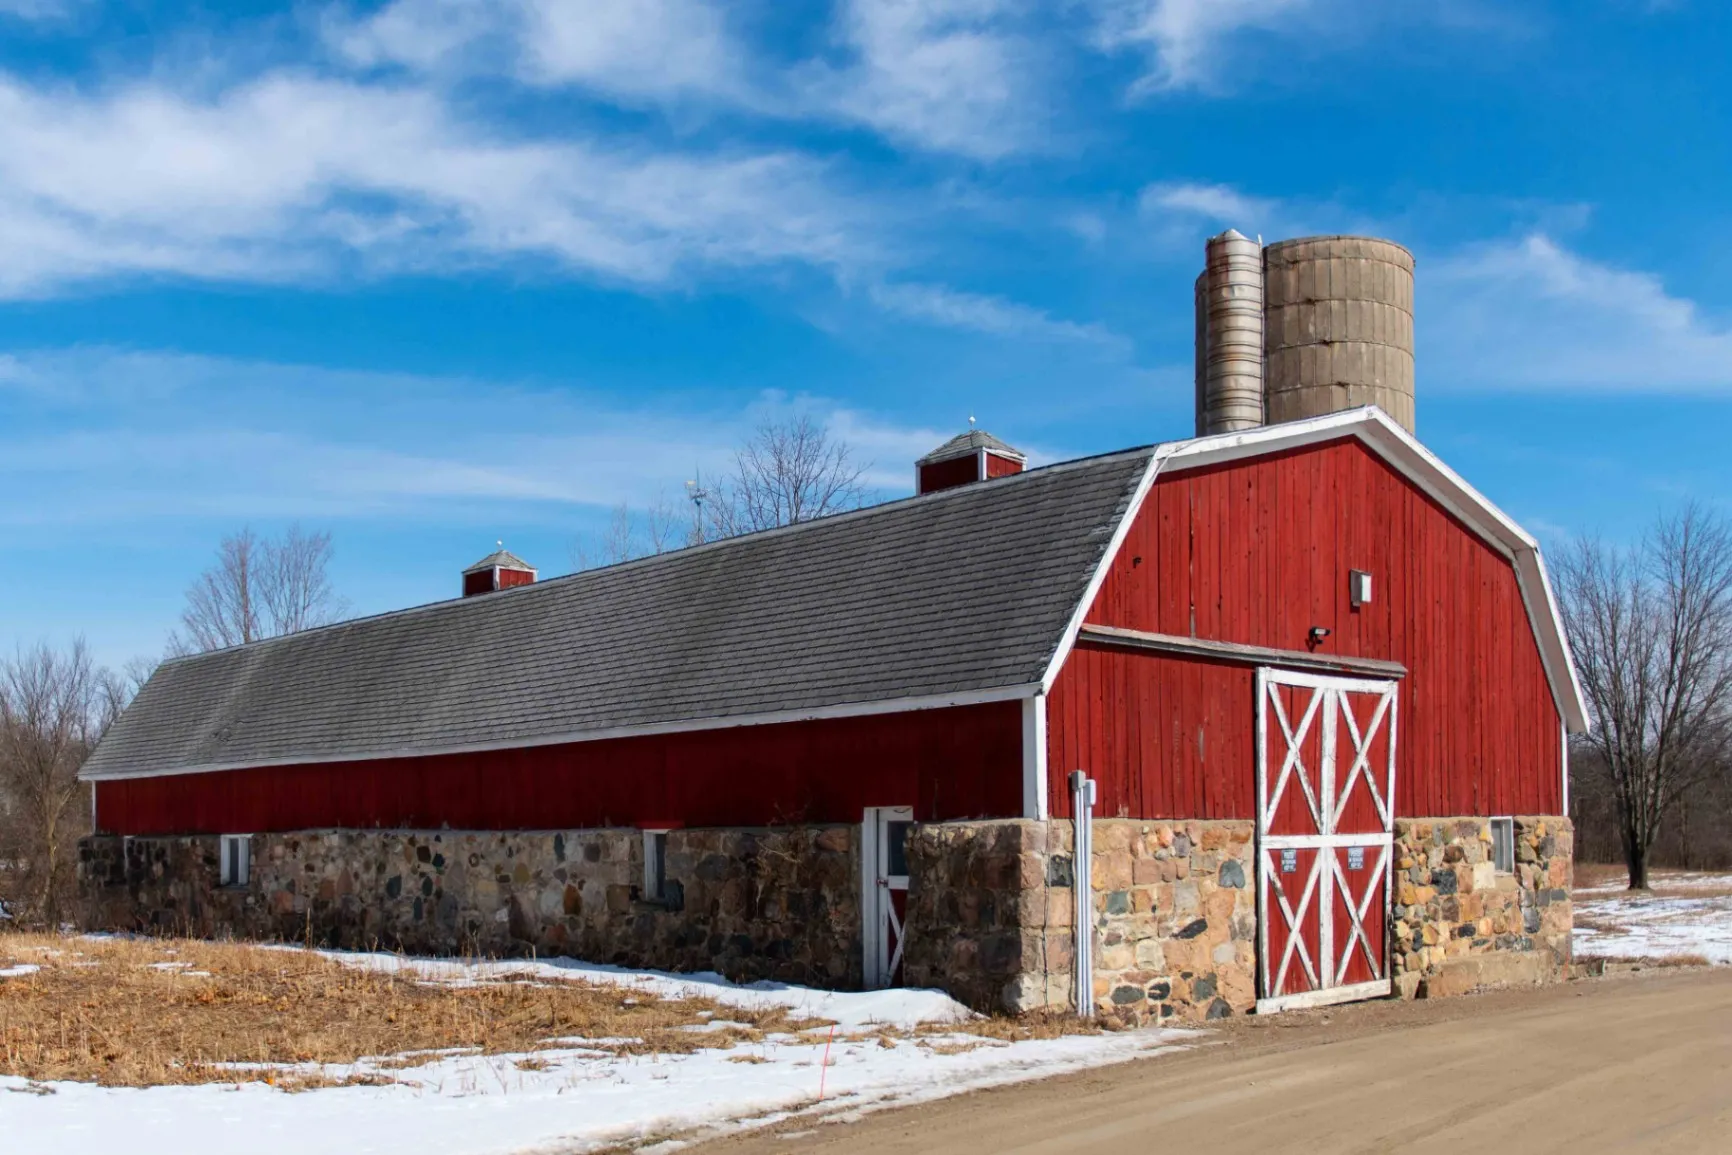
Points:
(288, 175)
(1531, 313)
(1216, 203)
(963, 76)
(958, 77)
(39, 10)
(940, 305)
(646, 51)
(1182, 41)
(158, 435)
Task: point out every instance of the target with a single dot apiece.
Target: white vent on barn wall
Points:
(1358, 587)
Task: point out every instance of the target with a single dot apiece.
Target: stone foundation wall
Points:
(778, 904)
(1176, 915)
(1461, 924)
(991, 913)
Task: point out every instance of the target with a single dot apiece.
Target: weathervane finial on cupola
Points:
(968, 457)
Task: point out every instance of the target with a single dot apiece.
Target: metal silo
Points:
(1338, 327)
(1230, 335)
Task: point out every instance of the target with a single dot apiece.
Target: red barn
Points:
(1317, 680)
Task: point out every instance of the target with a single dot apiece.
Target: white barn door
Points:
(884, 891)
(1325, 822)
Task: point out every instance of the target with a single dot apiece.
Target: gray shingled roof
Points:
(966, 443)
(965, 590)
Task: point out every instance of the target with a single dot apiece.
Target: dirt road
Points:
(1620, 1064)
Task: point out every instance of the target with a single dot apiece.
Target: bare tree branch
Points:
(53, 707)
(790, 471)
(259, 588)
(1651, 630)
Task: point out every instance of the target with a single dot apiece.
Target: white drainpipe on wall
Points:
(1082, 808)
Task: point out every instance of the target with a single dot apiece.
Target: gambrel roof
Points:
(970, 594)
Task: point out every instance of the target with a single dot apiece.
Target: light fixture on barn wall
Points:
(1358, 587)
(1316, 636)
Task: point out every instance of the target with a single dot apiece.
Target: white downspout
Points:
(1082, 800)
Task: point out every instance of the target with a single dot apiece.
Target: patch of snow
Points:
(1655, 927)
(849, 1010)
(571, 1097)
(1663, 880)
(488, 1105)
(19, 971)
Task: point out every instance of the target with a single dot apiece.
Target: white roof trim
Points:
(1402, 451)
(816, 713)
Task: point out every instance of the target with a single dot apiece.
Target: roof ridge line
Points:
(493, 596)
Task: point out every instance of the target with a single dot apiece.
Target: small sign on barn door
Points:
(1325, 821)
(884, 886)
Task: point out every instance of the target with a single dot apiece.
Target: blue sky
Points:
(429, 274)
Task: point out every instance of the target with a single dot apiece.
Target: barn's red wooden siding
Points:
(1258, 552)
(998, 465)
(960, 762)
(949, 474)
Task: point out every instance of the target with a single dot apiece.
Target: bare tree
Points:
(259, 588)
(629, 534)
(54, 706)
(1651, 628)
(788, 472)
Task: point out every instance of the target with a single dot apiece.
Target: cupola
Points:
(968, 457)
(499, 570)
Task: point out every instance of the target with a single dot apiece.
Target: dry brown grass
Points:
(145, 1012)
(1654, 961)
(1594, 874)
(124, 1012)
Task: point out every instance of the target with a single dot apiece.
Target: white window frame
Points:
(241, 876)
(655, 864)
(1509, 824)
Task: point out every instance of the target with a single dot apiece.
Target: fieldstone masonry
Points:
(989, 915)
(1460, 923)
(753, 904)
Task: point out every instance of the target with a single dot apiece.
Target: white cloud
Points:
(1532, 314)
(286, 175)
(170, 435)
(1219, 203)
(1183, 41)
(39, 10)
(646, 50)
(939, 305)
(958, 77)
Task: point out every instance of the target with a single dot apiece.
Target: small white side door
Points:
(884, 891)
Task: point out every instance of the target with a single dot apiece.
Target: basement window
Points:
(655, 865)
(1503, 845)
(237, 859)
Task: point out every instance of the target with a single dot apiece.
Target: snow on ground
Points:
(1663, 881)
(1681, 917)
(850, 1010)
(564, 1100)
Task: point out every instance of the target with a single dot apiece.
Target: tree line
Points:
(56, 703)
